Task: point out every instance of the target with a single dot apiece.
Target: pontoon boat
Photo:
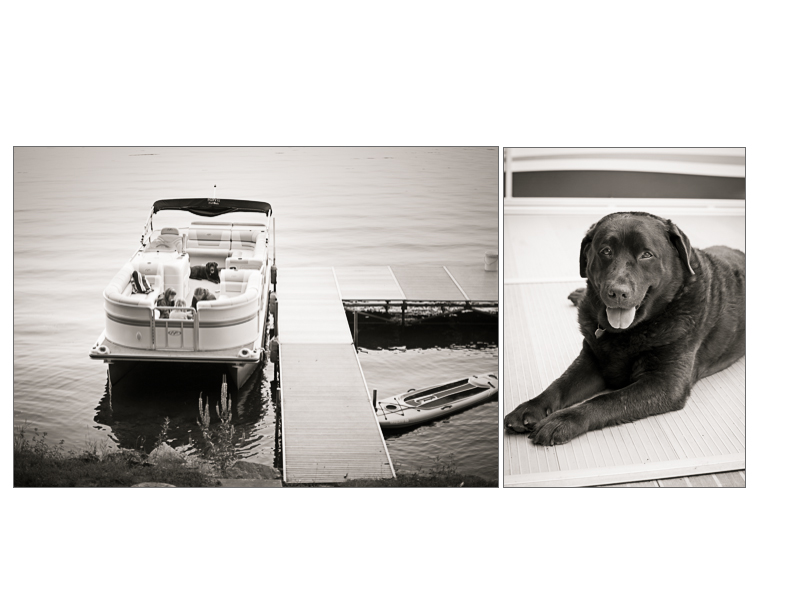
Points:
(227, 327)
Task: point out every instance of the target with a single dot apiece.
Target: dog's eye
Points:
(606, 251)
(646, 255)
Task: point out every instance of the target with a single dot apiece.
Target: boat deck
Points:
(691, 447)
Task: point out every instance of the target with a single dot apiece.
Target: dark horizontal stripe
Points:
(207, 324)
(125, 321)
(174, 325)
(623, 184)
(182, 357)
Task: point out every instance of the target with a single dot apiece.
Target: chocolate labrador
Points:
(208, 272)
(656, 316)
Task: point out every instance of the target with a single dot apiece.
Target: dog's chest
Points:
(621, 357)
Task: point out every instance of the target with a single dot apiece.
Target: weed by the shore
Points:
(220, 443)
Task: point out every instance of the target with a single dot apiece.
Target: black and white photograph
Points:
(256, 316)
(624, 319)
(392, 307)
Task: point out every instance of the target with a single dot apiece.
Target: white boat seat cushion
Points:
(244, 239)
(250, 294)
(234, 282)
(120, 288)
(169, 239)
(208, 238)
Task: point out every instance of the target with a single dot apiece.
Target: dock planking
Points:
(418, 283)
(330, 431)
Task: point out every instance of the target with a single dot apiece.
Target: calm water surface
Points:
(79, 214)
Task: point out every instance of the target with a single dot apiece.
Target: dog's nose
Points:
(619, 292)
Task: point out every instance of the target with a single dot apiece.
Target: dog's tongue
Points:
(620, 318)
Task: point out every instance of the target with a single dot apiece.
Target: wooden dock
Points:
(330, 431)
(469, 284)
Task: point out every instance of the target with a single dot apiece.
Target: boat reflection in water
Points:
(135, 408)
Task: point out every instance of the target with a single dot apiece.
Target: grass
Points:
(39, 464)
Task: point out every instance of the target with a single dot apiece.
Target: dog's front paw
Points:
(560, 427)
(524, 418)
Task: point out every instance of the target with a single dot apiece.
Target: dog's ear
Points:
(584, 249)
(681, 244)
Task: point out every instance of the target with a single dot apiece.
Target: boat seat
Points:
(251, 293)
(245, 239)
(239, 260)
(120, 288)
(208, 238)
(169, 239)
(234, 282)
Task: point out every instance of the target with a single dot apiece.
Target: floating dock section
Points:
(330, 431)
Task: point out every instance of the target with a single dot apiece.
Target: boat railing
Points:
(173, 324)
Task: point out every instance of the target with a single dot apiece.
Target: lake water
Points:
(79, 215)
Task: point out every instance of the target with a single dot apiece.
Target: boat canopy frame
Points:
(204, 207)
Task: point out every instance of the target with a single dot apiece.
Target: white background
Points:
(522, 74)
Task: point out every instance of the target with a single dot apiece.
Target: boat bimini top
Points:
(211, 207)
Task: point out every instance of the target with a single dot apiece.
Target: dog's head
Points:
(635, 262)
(213, 271)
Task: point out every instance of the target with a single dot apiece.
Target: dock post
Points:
(404, 307)
(355, 317)
(374, 400)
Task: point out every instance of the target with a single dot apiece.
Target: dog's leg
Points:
(581, 380)
(577, 296)
(662, 390)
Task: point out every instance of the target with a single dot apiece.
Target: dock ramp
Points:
(330, 431)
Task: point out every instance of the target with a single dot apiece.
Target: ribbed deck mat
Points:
(541, 339)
